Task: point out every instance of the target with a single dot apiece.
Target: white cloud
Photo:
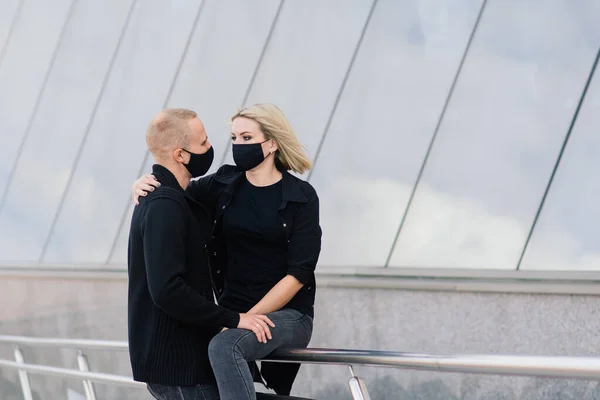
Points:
(442, 230)
(359, 220)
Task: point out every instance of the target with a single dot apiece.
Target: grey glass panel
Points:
(384, 123)
(567, 232)
(501, 135)
(115, 147)
(306, 60)
(58, 127)
(119, 253)
(222, 57)
(119, 256)
(8, 14)
(22, 72)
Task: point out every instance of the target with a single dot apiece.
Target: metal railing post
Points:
(82, 361)
(358, 389)
(23, 378)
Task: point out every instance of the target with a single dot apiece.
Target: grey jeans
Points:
(231, 350)
(198, 392)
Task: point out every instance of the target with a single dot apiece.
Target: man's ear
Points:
(178, 155)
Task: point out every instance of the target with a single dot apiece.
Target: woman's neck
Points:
(264, 175)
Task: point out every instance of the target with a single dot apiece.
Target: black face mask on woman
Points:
(199, 163)
(248, 156)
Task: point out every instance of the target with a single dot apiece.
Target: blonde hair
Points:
(275, 126)
(169, 130)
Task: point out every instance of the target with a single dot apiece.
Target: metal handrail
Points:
(88, 344)
(537, 366)
(98, 377)
(543, 366)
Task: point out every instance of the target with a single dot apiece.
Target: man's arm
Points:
(165, 258)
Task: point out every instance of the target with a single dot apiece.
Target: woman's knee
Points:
(225, 343)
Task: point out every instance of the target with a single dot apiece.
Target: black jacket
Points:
(171, 311)
(298, 213)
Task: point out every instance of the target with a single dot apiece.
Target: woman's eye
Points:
(246, 138)
(233, 138)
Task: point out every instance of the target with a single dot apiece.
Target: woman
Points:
(266, 243)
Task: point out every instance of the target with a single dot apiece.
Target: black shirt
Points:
(298, 214)
(256, 245)
(171, 312)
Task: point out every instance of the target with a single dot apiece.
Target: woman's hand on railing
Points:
(259, 324)
(143, 185)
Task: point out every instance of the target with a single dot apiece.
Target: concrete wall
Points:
(93, 309)
(447, 322)
(413, 321)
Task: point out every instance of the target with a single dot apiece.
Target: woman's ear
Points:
(272, 146)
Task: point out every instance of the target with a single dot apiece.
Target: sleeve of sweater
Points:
(165, 259)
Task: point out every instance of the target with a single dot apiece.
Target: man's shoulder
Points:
(163, 198)
(166, 193)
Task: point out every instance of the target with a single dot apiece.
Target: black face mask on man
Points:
(248, 156)
(199, 164)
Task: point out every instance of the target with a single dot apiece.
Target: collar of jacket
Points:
(165, 177)
(291, 191)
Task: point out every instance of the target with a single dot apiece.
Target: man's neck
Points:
(183, 177)
(264, 175)
(184, 182)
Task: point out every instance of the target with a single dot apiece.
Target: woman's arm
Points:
(198, 189)
(303, 253)
(278, 297)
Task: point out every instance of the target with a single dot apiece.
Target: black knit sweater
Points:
(172, 315)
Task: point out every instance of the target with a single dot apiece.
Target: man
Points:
(172, 314)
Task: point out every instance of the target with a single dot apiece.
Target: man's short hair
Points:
(168, 131)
